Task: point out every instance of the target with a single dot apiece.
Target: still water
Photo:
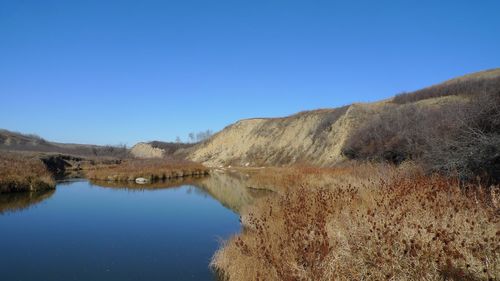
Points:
(83, 231)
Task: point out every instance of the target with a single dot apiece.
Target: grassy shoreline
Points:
(151, 169)
(23, 173)
(366, 222)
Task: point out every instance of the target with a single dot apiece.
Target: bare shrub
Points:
(473, 149)
(456, 139)
(395, 134)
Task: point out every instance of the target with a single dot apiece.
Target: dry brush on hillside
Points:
(461, 138)
(464, 87)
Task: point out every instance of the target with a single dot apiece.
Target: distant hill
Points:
(14, 141)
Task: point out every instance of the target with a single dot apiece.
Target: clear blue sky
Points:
(112, 72)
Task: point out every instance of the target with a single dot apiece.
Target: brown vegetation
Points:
(461, 138)
(465, 87)
(151, 169)
(22, 172)
(401, 226)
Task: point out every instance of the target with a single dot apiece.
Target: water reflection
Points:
(230, 189)
(14, 202)
(133, 186)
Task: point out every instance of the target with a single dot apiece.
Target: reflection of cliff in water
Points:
(13, 202)
(231, 189)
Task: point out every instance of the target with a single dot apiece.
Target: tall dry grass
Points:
(282, 179)
(151, 169)
(405, 226)
(23, 172)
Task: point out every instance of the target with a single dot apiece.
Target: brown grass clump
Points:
(22, 172)
(281, 179)
(403, 228)
(151, 169)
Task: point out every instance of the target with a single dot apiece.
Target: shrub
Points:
(453, 138)
(473, 149)
(395, 134)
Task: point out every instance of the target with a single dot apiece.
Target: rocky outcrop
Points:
(146, 150)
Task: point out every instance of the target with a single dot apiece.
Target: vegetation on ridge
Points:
(462, 138)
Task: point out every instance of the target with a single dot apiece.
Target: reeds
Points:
(404, 226)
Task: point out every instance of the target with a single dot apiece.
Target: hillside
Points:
(315, 137)
(14, 141)
(325, 137)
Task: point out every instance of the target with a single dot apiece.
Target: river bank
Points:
(149, 170)
(23, 173)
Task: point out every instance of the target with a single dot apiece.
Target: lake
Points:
(86, 231)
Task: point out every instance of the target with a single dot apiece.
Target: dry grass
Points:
(151, 169)
(282, 179)
(400, 226)
(23, 172)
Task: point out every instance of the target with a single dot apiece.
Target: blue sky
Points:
(112, 72)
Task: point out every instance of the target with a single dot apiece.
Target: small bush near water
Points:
(404, 227)
(23, 172)
(151, 169)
